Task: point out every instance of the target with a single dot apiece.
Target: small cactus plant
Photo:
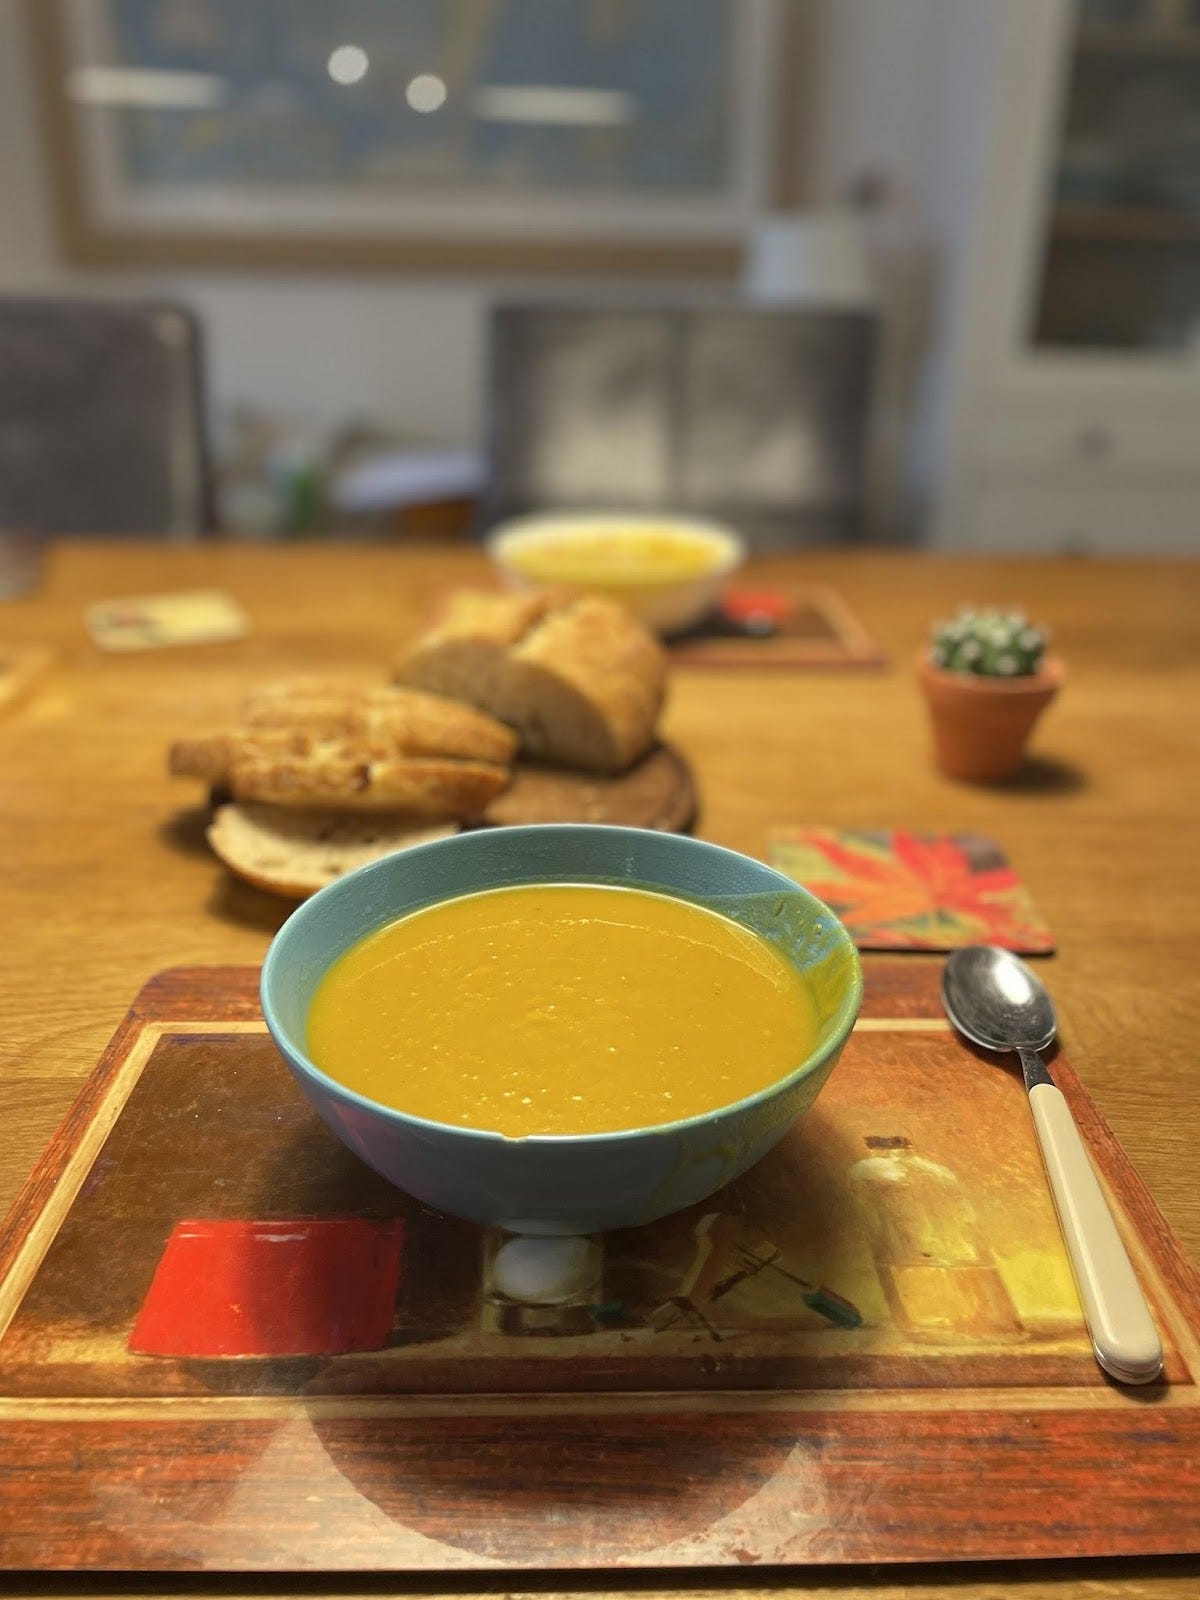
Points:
(990, 644)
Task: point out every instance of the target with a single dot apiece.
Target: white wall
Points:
(411, 352)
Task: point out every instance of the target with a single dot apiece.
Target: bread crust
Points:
(578, 677)
(338, 775)
(413, 722)
(313, 742)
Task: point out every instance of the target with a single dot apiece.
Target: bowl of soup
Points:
(564, 1028)
(667, 570)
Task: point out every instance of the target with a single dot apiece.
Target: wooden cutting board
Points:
(658, 792)
(224, 1342)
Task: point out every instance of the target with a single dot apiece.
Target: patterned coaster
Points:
(914, 891)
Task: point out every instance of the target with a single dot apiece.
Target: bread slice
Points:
(318, 742)
(351, 777)
(210, 756)
(579, 678)
(412, 723)
(295, 852)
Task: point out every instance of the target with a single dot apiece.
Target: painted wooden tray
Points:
(813, 627)
(227, 1344)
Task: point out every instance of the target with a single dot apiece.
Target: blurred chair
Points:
(101, 420)
(757, 417)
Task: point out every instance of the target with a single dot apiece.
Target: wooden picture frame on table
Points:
(110, 217)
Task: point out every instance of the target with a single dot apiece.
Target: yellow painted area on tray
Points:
(561, 1008)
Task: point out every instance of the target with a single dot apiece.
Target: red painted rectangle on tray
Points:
(897, 890)
(303, 1287)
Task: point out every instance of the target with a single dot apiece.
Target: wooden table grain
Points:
(105, 879)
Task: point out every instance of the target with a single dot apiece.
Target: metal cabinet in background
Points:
(756, 417)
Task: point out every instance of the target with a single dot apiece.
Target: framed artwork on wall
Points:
(632, 136)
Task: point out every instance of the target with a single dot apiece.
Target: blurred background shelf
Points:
(1139, 39)
(1128, 224)
(1072, 400)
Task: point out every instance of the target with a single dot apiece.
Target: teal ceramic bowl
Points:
(556, 1184)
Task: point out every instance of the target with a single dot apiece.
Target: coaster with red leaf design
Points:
(896, 890)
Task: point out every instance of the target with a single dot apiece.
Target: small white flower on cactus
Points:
(997, 644)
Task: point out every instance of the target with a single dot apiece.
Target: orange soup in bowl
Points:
(561, 1009)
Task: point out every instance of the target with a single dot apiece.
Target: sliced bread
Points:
(413, 723)
(342, 775)
(296, 852)
(315, 742)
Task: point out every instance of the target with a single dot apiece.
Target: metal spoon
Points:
(999, 1003)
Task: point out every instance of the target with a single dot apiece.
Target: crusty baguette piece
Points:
(579, 678)
(295, 853)
(207, 758)
(465, 653)
(317, 742)
(589, 682)
(210, 756)
(341, 776)
(414, 723)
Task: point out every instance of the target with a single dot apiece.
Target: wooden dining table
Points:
(105, 877)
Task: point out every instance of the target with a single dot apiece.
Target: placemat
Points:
(813, 627)
(229, 1344)
(897, 890)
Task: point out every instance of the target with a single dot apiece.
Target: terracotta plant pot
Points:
(981, 725)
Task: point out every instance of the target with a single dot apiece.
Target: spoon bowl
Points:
(998, 1002)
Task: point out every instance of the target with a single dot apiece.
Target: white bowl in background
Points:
(667, 570)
